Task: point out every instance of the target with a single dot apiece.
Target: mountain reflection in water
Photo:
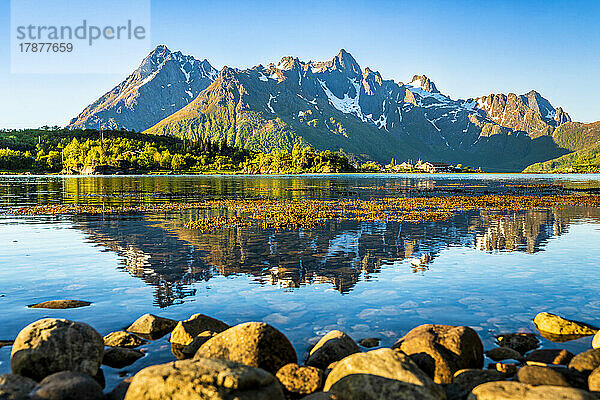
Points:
(171, 258)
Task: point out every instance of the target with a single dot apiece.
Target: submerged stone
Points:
(60, 304)
(123, 339)
(152, 327)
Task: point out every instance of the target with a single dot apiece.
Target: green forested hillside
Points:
(71, 151)
(584, 142)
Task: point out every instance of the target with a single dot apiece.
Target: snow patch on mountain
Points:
(347, 105)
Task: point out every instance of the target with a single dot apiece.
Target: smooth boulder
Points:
(67, 385)
(332, 347)
(381, 374)
(594, 380)
(321, 396)
(521, 342)
(150, 326)
(441, 350)
(369, 342)
(121, 357)
(503, 353)
(52, 345)
(298, 380)
(60, 304)
(189, 350)
(123, 339)
(505, 390)
(556, 325)
(15, 387)
(537, 376)
(185, 331)
(255, 344)
(550, 356)
(119, 391)
(201, 379)
(596, 341)
(467, 379)
(586, 362)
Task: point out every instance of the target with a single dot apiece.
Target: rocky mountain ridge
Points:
(338, 105)
(164, 82)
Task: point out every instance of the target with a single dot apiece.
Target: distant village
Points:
(420, 166)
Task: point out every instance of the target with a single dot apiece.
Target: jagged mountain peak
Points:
(164, 82)
(423, 82)
(330, 105)
(153, 60)
(344, 61)
(289, 63)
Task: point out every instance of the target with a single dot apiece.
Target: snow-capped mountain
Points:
(337, 105)
(164, 82)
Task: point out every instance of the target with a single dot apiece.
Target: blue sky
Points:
(469, 48)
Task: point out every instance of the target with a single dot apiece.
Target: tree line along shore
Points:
(88, 152)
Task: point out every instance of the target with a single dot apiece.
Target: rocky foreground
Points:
(60, 359)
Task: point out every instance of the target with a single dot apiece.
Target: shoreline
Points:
(457, 365)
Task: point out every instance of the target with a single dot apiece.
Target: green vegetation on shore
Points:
(53, 150)
(584, 142)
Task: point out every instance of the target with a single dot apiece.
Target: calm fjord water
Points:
(490, 270)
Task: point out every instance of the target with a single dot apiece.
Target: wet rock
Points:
(381, 374)
(369, 342)
(120, 357)
(204, 378)
(255, 344)
(503, 353)
(594, 380)
(441, 350)
(67, 385)
(150, 326)
(536, 376)
(332, 347)
(521, 342)
(467, 379)
(596, 341)
(15, 387)
(555, 325)
(550, 356)
(185, 331)
(586, 362)
(52, 345)
(123, 339)
(330, 368)
(119, 392)
(504, 390)
(508, 369)
(100, 378)
(298, 380)
(60, 304)
(188, 351)
(321, 396)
